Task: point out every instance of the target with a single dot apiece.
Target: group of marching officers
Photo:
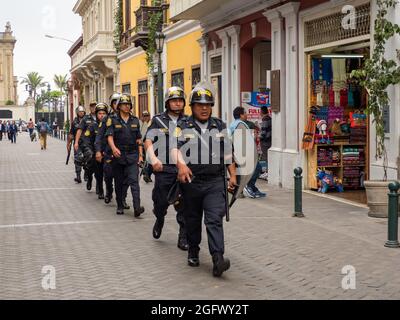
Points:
(108, 145)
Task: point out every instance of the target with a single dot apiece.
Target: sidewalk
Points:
(46, 219)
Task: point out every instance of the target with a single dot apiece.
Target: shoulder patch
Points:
(109, 122)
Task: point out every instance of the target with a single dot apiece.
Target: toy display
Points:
(328, 181)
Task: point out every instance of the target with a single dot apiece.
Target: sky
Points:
(30, 22)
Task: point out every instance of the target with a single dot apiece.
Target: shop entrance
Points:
(336, 135)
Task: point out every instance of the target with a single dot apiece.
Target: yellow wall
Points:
(184, 53)
(132, 71)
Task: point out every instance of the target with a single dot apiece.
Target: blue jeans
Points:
(256, 174)
(13, 137)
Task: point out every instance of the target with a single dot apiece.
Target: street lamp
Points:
(160, 38)
(67, 90)
(59, 38)
(96, 78)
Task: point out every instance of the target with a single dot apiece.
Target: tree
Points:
(35, 81)
(61, 82)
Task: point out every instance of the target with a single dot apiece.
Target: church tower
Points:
(8, 82)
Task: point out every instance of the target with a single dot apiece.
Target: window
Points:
(216, 64)
(126, 88)
(196, 76)
(143, 96)
(177, 79)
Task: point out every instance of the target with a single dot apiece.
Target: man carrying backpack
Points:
(43, 129)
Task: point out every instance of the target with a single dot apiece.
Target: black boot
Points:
(120, 210)
(193, 258)
(89, 184)
(138, 212)
(107, 198)
(126, 206)
(85, 176)
(182, 242)
(220, 264)
(157, 229)
(78, 178)
(101, 194)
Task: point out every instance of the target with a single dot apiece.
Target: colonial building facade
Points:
(248, 38)
(93, 57)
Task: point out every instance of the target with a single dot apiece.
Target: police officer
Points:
(161, 129)
(86, 121)
(125, 141)
(80, 113)
(203, 182)
(88, 141)
(104, 150)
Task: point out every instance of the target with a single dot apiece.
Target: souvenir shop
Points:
(336, 133)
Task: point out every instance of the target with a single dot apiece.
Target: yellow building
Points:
(181, 55)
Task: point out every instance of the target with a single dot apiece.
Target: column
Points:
(278, 118)
(203, 42)
(291, 154)
(234, 34)
(226, 101)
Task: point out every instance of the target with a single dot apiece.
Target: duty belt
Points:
(128, 148)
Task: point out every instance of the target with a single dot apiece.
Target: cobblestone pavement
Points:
(46, 219)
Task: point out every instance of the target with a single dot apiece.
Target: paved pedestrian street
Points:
(48, 220)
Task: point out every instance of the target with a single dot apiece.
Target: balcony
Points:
(139, 34)
(99, 46)
(194, 9)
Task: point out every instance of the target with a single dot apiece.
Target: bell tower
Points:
(8, 82)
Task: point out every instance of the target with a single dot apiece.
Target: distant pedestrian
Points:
(55, 128)
(43, 129)
(13, 132)
(2, 129)
(145, 122)
(31, 127)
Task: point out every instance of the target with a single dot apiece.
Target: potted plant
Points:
(377, 74)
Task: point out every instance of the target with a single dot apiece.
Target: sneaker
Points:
(258, 193)
(264, 176)
(248, 193)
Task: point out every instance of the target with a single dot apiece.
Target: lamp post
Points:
(96, 78)
(67, 90)
(48, 99)
(160, 38)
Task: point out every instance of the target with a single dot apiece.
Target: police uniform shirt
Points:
(101, 144)
(89, 135)
(125, 136)
(163, 125)
(188, 132)
(74, 126)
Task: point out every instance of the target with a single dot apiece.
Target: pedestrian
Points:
(161, 130)
(88, 147)
(145, 122)
(78, 155)
(125, 140)
(240, 116)
(203, 182)
(8, 130)
(31, 127)
(55, 127)
(2, 130)
(86, 121)
(104, 152)
(43, 129)
(13, 132)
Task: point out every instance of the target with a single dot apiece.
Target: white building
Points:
(94, 63)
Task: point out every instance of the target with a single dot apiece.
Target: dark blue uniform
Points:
(126, 168)
(206, 193)
(88, 143)
(72, 131)
(88, 153)
(162, 128)
(102, 146)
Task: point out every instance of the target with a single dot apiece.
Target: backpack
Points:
(43, 127)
